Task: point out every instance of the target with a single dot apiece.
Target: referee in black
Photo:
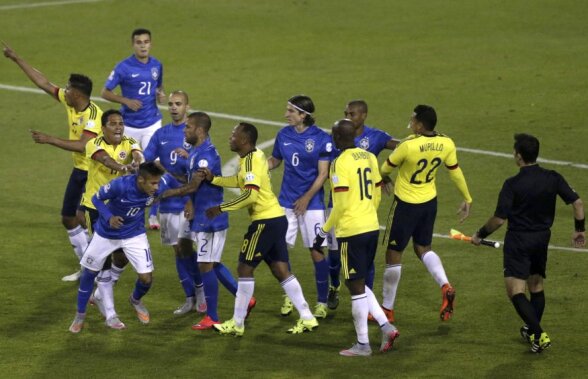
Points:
(527, 201)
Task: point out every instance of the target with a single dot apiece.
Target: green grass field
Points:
(490, 69)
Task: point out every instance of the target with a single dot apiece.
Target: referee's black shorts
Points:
(525, 253)
(265, 240)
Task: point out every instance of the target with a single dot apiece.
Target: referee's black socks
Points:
(527, 312)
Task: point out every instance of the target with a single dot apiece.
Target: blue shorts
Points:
(265, 240)
(73, 192)
(357, 254)
(525, 253)
(408, 220)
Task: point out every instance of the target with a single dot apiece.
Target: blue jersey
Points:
(301, 153)
(162, 145)
(124, 200)
(208, 195)
(138, 81)
(174, 204)
(372, 139)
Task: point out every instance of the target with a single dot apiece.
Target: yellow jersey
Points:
(356, 190)
(253, 179)
(90, 119)
(418, 157)
(99, 174)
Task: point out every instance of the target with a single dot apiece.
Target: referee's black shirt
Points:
(527, 200)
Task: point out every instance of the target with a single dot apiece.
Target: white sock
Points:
(200, 296)
(292, 288)
(78, 240)
(390, 286)
(359, 311)
(245, 288)
(374, 307)
(116, 272)
(433, 263)
(105, 288)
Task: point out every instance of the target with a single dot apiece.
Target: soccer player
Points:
(169, 146)
(375, 141)
(265, 239)
(121, 226)
(414, 208)
(84, 123)
(527, 200)
(305, 150)
(209, 234)
(110, 155)
(355, 185)
(140, 78)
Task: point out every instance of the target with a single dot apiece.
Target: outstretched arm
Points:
(34, 75)
(65, 144)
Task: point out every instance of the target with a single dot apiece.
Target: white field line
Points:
(230, 167)
(44, 4)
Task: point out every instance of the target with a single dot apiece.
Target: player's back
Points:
(418, 158)
(356, 171)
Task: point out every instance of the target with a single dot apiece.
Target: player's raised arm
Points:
(33, 74)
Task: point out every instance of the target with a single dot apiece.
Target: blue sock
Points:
(153, 210)
(334, 267)
(185, 279)
(371, 273)
(140, 289)
(192, 266)
(321, 275)
(211, 293)
(85, 289)
(226, 278)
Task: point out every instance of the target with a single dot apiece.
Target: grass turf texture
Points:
(490, 70)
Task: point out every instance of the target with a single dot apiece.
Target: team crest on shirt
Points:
(154, 73)
(149, 201)
(90, 124)
(203, 163)
(364, 143)
(309, 145)
(122, 155)
(329, 147)
(249, 177)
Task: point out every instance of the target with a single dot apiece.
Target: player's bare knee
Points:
(245, 271)
(316, 255)
(205, 266)
(280, 270)
(70, 222)
(119, 259)
(393, 257)
(146, 278)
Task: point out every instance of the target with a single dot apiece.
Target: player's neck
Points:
(180, 122)
(82, 105)
(300, 128)
(141, 59)
(359, 131)
(245, 151)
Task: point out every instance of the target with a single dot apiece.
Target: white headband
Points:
(299, 109)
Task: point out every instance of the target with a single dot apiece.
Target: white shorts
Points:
(210, 245)
(136, 249)
(331, 239)
(173, 227)
(308, 225)
(142, 135)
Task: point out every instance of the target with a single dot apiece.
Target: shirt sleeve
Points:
(276, 153)
(326, 153)
(505, 200)
(150, 153)
(114, 78)
(106, 192)
(92, 148)
(567, 193)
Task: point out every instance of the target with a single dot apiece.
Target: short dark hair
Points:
(107, 114)
(138, 32)
(361, 104)
(305, 103)
(82, 83)
(426, 115)
(250, 131)
(527, 146)
(181, 93)
(201, 119)
(150, 169)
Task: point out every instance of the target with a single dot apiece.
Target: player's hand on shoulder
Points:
(116, 222)
(134, 104)
(579, 239)
(464, 210)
